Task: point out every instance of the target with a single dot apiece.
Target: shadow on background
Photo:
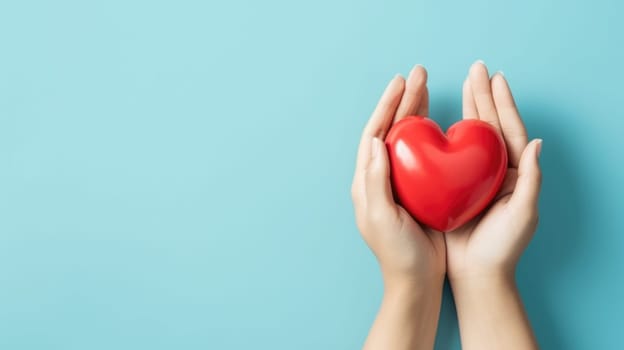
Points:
(560, 236)
(448, 330)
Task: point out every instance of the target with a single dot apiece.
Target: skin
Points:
(482, 256)
(412, 258)
(479, 258)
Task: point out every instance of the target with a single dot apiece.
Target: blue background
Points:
(176, 174)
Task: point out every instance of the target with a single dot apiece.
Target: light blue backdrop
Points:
(175, 174)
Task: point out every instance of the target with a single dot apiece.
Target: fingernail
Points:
(539, 147)
(502, 74)
(415, 68)
(374, 147)
(480, 61)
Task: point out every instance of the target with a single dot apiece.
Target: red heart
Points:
(444, 181)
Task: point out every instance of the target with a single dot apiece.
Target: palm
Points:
(475, 240)
(428, 245)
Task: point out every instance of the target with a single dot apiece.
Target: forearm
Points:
(491, 314)
(408, 317)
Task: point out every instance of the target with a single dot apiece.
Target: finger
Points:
(381, 118)
(513, 129)
(480, 84)
(423, 110)
(378, 190)
(529, 181)
(468, 103)
(415, 88)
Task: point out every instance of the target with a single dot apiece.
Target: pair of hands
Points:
(485, 250)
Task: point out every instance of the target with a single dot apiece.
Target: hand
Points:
(492, 243)
(405, 250)
(482, 255)
(412, 258)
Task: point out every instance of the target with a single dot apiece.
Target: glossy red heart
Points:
(444, 181)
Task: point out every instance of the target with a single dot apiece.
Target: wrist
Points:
(418, 301)
(496, 274)
(484, 282)
(490, 311)
(411, 287)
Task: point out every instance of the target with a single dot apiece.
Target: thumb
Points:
(378, 189)
(527, 189)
